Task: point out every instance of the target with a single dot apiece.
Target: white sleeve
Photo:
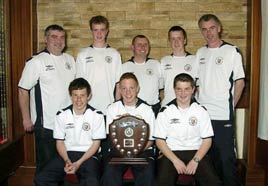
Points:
(30, 74)
(206, 129)
(109, 118)
(238, 66)
(80, 66)
(160, 129)
(98, 129)
(59, 127)
(151, 121)
(118, 67)
(160, 78)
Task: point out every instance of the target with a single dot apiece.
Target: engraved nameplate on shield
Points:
(129, 135)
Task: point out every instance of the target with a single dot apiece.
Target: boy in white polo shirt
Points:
(183, 134)
(130, 104)
(78, 131)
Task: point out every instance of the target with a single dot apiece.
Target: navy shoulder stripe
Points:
(173, 102)
(99, 112)
(162, 109)
(69, 107)
(237, 50)
(58, 112)
(188, 54)
(140, 101)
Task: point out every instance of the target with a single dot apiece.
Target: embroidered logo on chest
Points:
(108, 59)
(86, 126)
(219, 60)
(193, 121)
(89, 59)
(149, 72)
(168, 67)
(50, 67)
(68, 65)
(69, 126)
(174, 121)
(202, 61)
(187, 67)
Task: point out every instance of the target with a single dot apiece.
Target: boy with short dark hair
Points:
(78, 131)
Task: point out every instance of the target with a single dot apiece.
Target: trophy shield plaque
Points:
(129, 136)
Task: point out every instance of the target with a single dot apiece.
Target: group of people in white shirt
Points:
(69, 104)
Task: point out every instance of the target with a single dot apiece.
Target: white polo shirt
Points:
(219, 68)
(102, 68)
(171, 66)
(47, 77)
(142, 110)
(79, 131)
(149, 77)
(183, 129)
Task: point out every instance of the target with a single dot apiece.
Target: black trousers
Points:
(167, 174)
(45, 146)
(222, 152)
(53, 173)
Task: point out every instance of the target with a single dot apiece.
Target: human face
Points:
(140, 47)
(183, 92)
(80, 99)
(99, 33)
(129, 90)
(211, 31)
(55, 41)
(177, 40)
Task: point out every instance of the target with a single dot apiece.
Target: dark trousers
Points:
(143, 174)
(53, 173)
(167, 174)
(222, 152)
(45, 146)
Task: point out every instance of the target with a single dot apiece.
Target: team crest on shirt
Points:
(193, 120)
(149, 71)
(174, 121)
(86, 126)
(108, 59)
(68, 65)
(187, 67)
(219, 60)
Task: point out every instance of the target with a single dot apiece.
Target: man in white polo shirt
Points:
(78, 131)
(221, 82)
(147, 71)
(100, 65)
(43, 90)
(183, 134)
(180, 61)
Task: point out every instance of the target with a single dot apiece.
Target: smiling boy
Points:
(78, 131)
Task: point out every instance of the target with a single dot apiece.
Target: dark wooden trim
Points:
(20, 146)
(21, 50)
(252, 124)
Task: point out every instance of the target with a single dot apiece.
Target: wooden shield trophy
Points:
(129, 136)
